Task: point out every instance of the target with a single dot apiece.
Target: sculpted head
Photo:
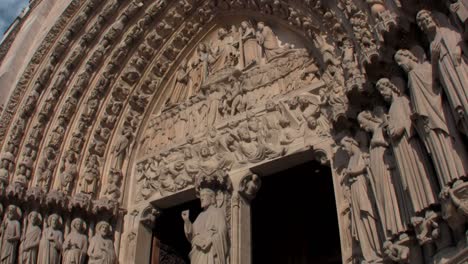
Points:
(77, 225)
(11, 212)
(222, 32)
(260, 25)
(103, 228)
(311, 122)
(54, 221)
(425, 21)
(207, 198)
(245, 24)
(406, 60)
(244, 134)
(34, 218)
(349, 144)
(386, 89)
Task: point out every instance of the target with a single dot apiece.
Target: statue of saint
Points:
(30, 241)
(411, 157)
(250, 49)
(269, 42)
(363, 217)
(101, 247)
(11, 234)
(208, 234)
(451, 63)
(50, 247)
(76, 243)
(386, 186)
(433, 123)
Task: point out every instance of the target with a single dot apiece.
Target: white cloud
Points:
(9, 10)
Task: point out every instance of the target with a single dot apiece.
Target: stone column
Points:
(246, 185)
(138, 238)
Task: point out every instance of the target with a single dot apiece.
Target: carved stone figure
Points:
(411, 158)
(455, 211)
(30, 240)
(69, 172)
(433, 123)
(385, 185)
(396, 253)
(364, 219)
(448, 58)
(101, 247)
(224, 51)
(269, 42)
(112, 190)
(208, 234)
(11, 234)
(249, 48)
(75, 245)
(50, 247)
(253, 150)
(181, 90)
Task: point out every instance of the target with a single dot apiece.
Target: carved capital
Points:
(149, 215)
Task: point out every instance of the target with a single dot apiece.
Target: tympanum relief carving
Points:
(243, 97)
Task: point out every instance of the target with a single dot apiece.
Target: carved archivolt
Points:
(126, 102)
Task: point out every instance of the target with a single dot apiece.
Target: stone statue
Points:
(396, 253)
(11, 234)
(433, 123)
(364, 219)
(121, 147)
(50, 247)
(30, 240)
(451, 63)
(181, 91)
(411, 158)
(250, 49)
(384, 183)
(208, 234)
(269, 42)
(69, 172)
(76, 243)
(224, 51)
(101, 247)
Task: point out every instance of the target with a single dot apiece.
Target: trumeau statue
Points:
(50, 247)
(209, 233)
(10, 235)
(433, 122)
(101, 247)
(30, 240)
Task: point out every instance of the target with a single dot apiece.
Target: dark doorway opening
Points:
(170, 245)
(294, 218)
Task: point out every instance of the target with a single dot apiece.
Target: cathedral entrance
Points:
(170, 246)
(294, 219)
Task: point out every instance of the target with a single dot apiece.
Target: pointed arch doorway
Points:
(294, 217)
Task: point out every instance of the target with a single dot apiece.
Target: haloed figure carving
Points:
(208, 234)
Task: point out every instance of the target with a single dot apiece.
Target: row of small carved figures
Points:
(30, 239)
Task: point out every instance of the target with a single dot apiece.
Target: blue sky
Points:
(9, 10)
